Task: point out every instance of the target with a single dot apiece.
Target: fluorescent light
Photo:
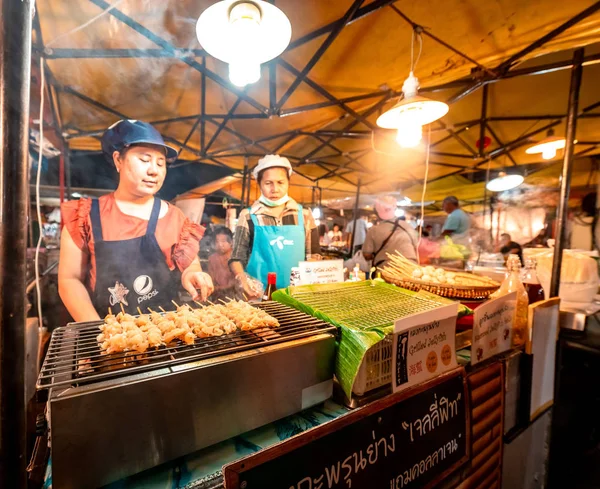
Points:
(547, 146)
(504, 182)
(244, 34)
(316, 212)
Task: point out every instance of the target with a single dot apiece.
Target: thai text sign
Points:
(424, 346)
(321, 272)
(407, 440)
(493, 327)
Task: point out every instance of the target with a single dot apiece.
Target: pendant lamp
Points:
(413, 112)
(504, 182)
(243, 34)
(548, 146)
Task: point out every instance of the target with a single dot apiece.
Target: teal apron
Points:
(277, 249)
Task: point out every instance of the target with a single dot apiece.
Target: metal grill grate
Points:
(74, 356)
(363, 306)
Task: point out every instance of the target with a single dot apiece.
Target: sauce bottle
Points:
(512, 283)
(531, 282)
(271, 286)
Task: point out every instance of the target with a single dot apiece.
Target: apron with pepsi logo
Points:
(132, 272)
(277, 249)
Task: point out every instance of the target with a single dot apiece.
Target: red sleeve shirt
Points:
(177, 236)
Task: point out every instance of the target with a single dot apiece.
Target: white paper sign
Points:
(424, 346)
(493, 327)
(321, 272)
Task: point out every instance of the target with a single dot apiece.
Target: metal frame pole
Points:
(355, 215)
(15, 76)
(565, 184)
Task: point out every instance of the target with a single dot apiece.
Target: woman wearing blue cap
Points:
(128, 248)
(276, 232)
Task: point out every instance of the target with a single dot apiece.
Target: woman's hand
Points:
(196, 280)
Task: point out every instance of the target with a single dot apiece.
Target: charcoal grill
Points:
(111, 416)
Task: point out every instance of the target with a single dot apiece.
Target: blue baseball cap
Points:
(126, 132)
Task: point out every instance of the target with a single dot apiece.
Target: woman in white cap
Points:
(276, 232)
(129, 249)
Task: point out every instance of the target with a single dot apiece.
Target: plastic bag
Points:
(358, 258)
(255, 286)
(453, 251)
(578, 275)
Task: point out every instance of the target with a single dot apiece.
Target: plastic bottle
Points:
(512, 283)
(531, 282)
(271, 286)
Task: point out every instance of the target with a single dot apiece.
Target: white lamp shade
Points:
(504, 182)
(548, 145)
(413, 110)
(242, 39)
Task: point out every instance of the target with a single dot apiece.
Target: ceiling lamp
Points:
(243, 34)
(547, 146)
(504, 182)
(410, 114)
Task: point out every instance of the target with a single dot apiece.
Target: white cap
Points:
(271, 161)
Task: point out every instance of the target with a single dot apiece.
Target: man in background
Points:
(510, 247)
(361, 232)
(458, 221)
(390, 235)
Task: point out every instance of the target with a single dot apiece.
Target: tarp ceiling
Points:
(141, 60)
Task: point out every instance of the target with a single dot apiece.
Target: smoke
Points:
(139, 87)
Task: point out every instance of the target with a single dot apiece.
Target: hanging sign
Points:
(424, 346)
(493, 327)
(321, 272)
(407, 440)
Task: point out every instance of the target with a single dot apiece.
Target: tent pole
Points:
(15, 76)
(244, 178)
(565, 186)
(355, 216)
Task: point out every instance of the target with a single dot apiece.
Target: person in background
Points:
(583, 224)
(323, 235)
(218, 264)
(428, 231)
(276, 232)
(390, 235)
(336, 237)
(361, 232)
(458, 221)
(510, 247)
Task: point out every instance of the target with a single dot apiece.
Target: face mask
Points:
(274, 203)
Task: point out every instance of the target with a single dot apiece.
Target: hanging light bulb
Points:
(411, 114)
(504, 182)
(244, 34)
(316, 212)
(547, 146)
(409, 135)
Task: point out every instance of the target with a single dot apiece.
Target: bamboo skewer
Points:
(110, 311)
(122, 308)
(175, 303)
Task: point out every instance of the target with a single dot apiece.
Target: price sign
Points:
(321, 272)
(407, 440)
(493, 327)
(424, 346)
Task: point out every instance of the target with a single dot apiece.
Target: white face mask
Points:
(274, 203)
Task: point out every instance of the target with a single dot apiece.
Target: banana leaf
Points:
(358, 307)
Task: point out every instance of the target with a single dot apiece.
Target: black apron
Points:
(132, 272)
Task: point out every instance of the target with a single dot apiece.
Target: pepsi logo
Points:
(142, 285)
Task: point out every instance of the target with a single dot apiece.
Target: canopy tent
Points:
(142, 60)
